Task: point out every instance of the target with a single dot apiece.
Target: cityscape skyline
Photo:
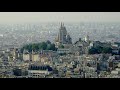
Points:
(23, 56)
(28, 17)
(30, 48)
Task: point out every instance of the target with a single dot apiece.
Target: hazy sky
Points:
(23, 17)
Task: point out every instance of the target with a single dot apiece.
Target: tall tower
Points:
(68, 39)
(63, 37)
(87, 38)
(62, 34)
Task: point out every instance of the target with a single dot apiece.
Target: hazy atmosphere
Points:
(59, 45)
(24, 17)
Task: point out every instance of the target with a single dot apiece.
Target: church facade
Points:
(63, 37)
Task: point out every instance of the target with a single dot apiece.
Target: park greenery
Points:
(39, 46)
(100, 49)
(61, 46)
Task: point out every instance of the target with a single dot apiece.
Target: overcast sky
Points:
(23, 17)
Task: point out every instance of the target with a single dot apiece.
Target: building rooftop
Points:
(40, 67)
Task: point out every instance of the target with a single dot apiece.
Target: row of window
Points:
(37, 73)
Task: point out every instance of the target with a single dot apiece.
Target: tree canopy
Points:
(100, 49)
(39, 46)
(61, 46)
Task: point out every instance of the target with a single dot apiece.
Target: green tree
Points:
(53, 47)
(48, 42)
(61, 46)
(93, 50)
(35, 47)
(39, 46)
(48, 47)
(100, 49)
(43, 45)
(107, 50)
